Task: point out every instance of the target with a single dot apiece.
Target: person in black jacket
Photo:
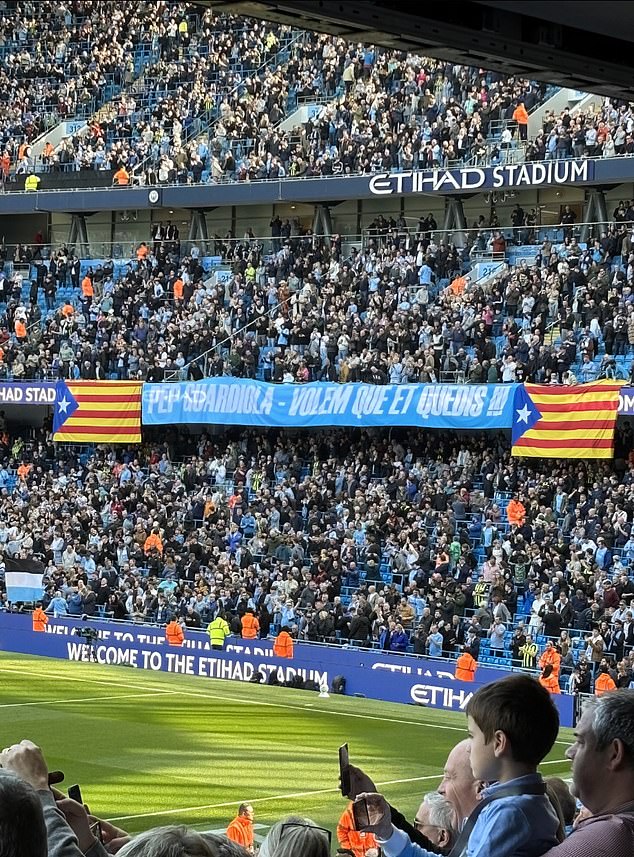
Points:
(360, 628)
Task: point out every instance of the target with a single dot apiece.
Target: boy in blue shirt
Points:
(513, 724)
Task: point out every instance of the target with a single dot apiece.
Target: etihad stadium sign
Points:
(483, 178)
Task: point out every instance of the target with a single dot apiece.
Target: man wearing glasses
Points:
(436, 820)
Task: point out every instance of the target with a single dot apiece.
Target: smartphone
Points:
(74, 793)
(344, 770)
(360, 814)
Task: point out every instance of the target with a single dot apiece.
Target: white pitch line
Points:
(80, 699)
(200, 695)
(284, 796)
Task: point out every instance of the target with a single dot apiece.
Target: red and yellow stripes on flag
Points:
(576, 422)
(108, 412)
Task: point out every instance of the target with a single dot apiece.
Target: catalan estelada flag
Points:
(565, 422)
(97, 412)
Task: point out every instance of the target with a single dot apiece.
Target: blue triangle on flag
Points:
(65, 405)
(525, 413)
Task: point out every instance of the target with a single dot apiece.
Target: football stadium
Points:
(316, 429)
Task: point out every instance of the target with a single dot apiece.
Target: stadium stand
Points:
(216, 98)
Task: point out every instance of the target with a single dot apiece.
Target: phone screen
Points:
(360, 814)
(344, 770)
(74, 793)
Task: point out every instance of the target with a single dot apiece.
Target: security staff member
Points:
(218, 630)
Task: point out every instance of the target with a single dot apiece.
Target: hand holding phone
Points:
(344, 770)
(371, 811)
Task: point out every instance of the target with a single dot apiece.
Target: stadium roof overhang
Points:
(583, 46)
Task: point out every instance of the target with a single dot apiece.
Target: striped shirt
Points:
(600, 836)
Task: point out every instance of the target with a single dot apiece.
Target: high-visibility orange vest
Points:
(551, 656)
(153, 541)
(351, 839)
(240, 831)
(122, 177)
(466, 667)
(551, 684)
(174, 634)
(87, 289)
(603, 684)
(20, 329)
(283, 645)
(40, 619)
(250, 626)
(178, 289)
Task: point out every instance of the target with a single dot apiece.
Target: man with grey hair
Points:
(436, 819)
(603, 779)
(458, 787)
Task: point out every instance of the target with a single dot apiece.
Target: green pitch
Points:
(151, 749)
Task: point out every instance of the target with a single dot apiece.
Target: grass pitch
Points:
(150, 749)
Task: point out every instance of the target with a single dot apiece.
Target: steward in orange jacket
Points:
(240, 830)
(40, 619)
(174, 633)
(515, 512)
(250, 626)
(549, 680)
(550, 655)
(466, 666)
(152, 542)
(351, 839)
(283, 645)
(604, 683)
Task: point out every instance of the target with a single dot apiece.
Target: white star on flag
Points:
(63, 405)
(523, 414)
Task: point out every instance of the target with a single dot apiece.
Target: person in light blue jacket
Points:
(513, 724)
(434, 642)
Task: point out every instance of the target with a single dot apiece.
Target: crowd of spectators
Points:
(225, 65)
(592, 816)
(400, 308)
(603, 132)
(211, 109)
(64, 60)
(407, 542)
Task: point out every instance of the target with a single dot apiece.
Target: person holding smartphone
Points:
(360, 843)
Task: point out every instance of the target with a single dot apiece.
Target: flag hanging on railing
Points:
(565, 422)
(97, 412)
(23, 579)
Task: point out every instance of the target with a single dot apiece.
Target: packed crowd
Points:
(226, 65)
(405, 543)
(490, 796)
(605, 132)
(398, 309)
(211, 110)
(64, 60)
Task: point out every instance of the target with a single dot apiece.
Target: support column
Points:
(198, 229)
(322, 221)
(455, 223)
(78, 234)
(595, 215)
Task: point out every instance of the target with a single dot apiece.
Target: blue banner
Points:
(529, 174)
(240, 401)
(626, 402)
(27, 393)
(380, 675)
